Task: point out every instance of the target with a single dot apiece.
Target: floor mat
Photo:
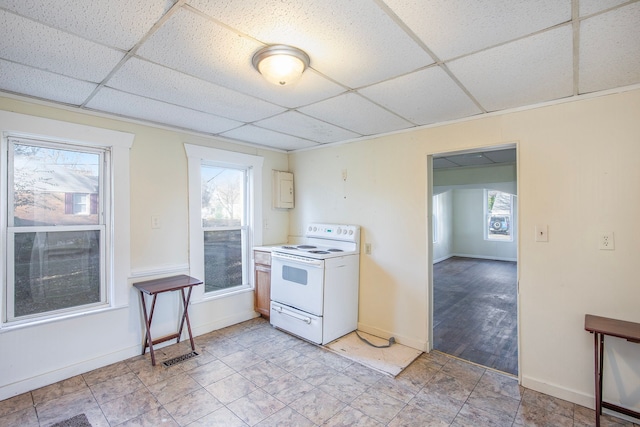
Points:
(77, 421)
(390, 361)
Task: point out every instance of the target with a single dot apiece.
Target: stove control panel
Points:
(334, 231)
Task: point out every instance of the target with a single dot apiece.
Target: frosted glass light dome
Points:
(280, 64)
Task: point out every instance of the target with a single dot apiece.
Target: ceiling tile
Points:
(352, 42)
(30, 43)
(117, 23)
(610, 49)
(423, 97)
(469, 159)
(588, 7)
(531, 70)
(199, 47)
(352, 111)
(297, 124)
(121, 103)
(41, 84)
(269, 138)
(154, 81)
(501, 156)
(441, 163)
(456, 27)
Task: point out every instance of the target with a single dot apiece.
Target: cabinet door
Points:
(263, 290)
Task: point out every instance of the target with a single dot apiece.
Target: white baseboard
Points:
(555, 390)
(444, 258)
(205, 328)
(84, 366)
(493, 258)
(51, 377)
(408, 341)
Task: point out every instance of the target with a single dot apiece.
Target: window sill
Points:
(17, 325)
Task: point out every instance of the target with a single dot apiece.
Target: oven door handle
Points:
(311, 262)
(280, 310)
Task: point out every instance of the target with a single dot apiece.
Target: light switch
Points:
(542, 233)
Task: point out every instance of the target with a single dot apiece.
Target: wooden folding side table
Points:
(158, 286)
(599, 327)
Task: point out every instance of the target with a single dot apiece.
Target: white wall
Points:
(443, 247)
(577, 173)
(469, 228)
(34, 356)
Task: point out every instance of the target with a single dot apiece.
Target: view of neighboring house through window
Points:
(498, 215)
(55, 228)
(224, 223)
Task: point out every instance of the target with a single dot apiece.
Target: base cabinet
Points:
(262, 280)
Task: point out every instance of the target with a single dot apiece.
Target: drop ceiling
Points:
(377, 66)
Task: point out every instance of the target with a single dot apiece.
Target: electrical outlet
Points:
(367, 248)
(606, 242)
(155, 221)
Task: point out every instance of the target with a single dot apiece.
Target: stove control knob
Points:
(315, 228)
(339, 231)
(350, 232)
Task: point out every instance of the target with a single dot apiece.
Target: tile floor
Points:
(251, 374)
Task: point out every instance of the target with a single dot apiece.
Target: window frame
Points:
(103, 229)
(196, 156)
(116, 241)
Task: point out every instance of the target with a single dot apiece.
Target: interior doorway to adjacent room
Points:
(474, 251)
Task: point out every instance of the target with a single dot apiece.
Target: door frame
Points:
(429, 209)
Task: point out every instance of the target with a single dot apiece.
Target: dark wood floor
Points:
(475, 314)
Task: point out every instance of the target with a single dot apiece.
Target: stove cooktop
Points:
(314, 251)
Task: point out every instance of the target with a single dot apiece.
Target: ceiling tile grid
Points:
(424, 97)
(353, 42)
(527, 71)
(268, 138)
(117, 23)
(30, 43)
(128, 105)
(610, 49)
(187, 63)
(352, 111)
(589, 7)
(163, 84)
(42, 84)
(298, 124)
(451, 28)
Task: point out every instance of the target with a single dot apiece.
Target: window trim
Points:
(196, 155)
(117, 251)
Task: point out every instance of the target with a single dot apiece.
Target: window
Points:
(224, 209)
(224, 224)
(55, 230)
(498, 209)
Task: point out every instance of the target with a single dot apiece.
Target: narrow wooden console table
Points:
(599, 327)
(158, 286)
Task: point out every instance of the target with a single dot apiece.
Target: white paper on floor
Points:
(390, 361)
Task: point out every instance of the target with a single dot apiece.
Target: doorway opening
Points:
(474, 300)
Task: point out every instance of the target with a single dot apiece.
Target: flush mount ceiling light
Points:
(280, 64)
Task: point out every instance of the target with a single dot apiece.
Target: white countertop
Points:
(267, 248)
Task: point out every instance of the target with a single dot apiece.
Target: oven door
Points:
(297, 282)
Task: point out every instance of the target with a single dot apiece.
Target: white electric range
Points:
(314, 285)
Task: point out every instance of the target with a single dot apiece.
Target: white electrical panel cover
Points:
(282, 190)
